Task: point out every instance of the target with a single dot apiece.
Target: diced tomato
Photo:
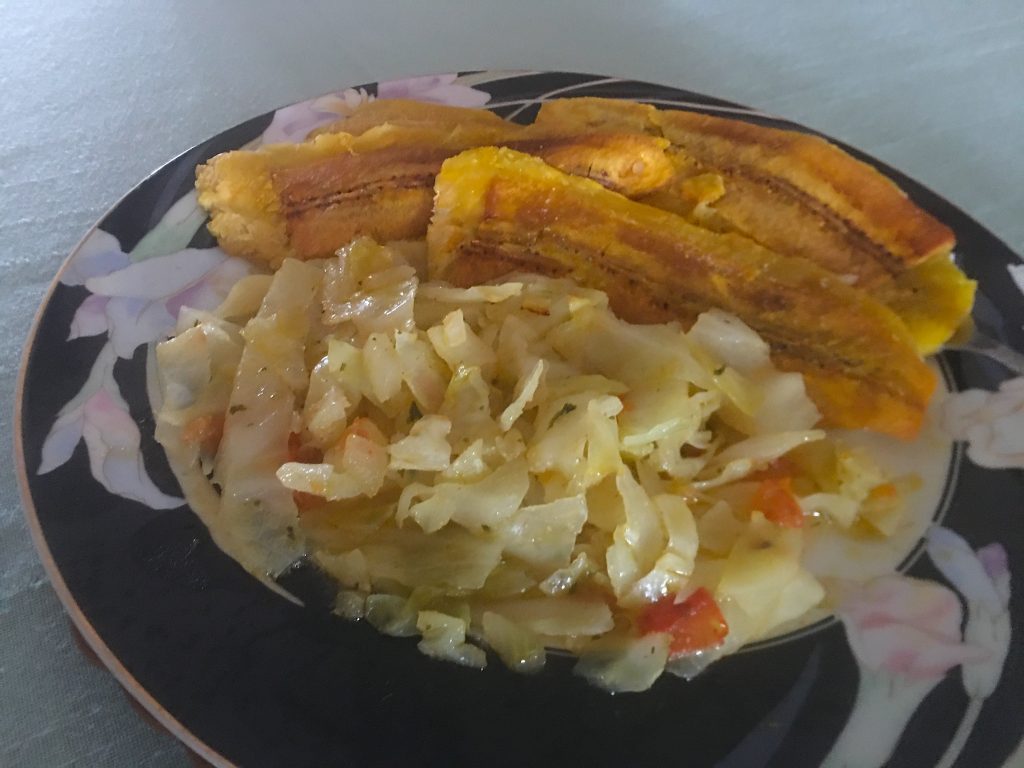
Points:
(775, 500)
(694, 624)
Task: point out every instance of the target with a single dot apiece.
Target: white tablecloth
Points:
(94, 95)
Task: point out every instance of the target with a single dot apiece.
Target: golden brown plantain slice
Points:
(498, 211)
(596, 114)
(868, 211)
(410, 114)
(632, 164)
(307, 200)
(800, 196)
(932, 299)
(786, 177)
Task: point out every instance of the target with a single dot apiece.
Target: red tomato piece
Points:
(694, 624)
(775, 500)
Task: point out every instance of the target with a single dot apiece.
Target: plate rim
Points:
(80, 623)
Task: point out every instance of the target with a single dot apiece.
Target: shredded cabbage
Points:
(520, 649)
(444, 637)
(510, 463)
(632, 666)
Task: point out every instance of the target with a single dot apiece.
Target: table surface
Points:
(97, 94)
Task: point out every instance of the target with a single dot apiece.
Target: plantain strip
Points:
(498, 211)
(307, 200)
(801, 196)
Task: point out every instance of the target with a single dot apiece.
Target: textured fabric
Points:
(94, 95)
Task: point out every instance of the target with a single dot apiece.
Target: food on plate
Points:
(801, 196)
(584, 395)
(791, 192)
(307, 200)
(498, 211)
(933, 299)
(811, 186)
(510, 465)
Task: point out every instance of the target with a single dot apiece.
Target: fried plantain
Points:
(800, 196)
(933, 299)
(804, 175)
(307, 200)
(498, 211)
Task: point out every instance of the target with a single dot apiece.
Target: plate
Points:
(245, 677)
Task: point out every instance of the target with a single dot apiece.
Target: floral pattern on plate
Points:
(134, 302)
(905, 634)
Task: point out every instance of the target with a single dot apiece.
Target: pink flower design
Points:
(294, 123)
(905, 636)
(99, 254)
(134, 303)
(983, 578)
(996, 563)
(140, 302)
(440, 89)
(992, 423)
(906, 627)
(99, 416)
(90, 318)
